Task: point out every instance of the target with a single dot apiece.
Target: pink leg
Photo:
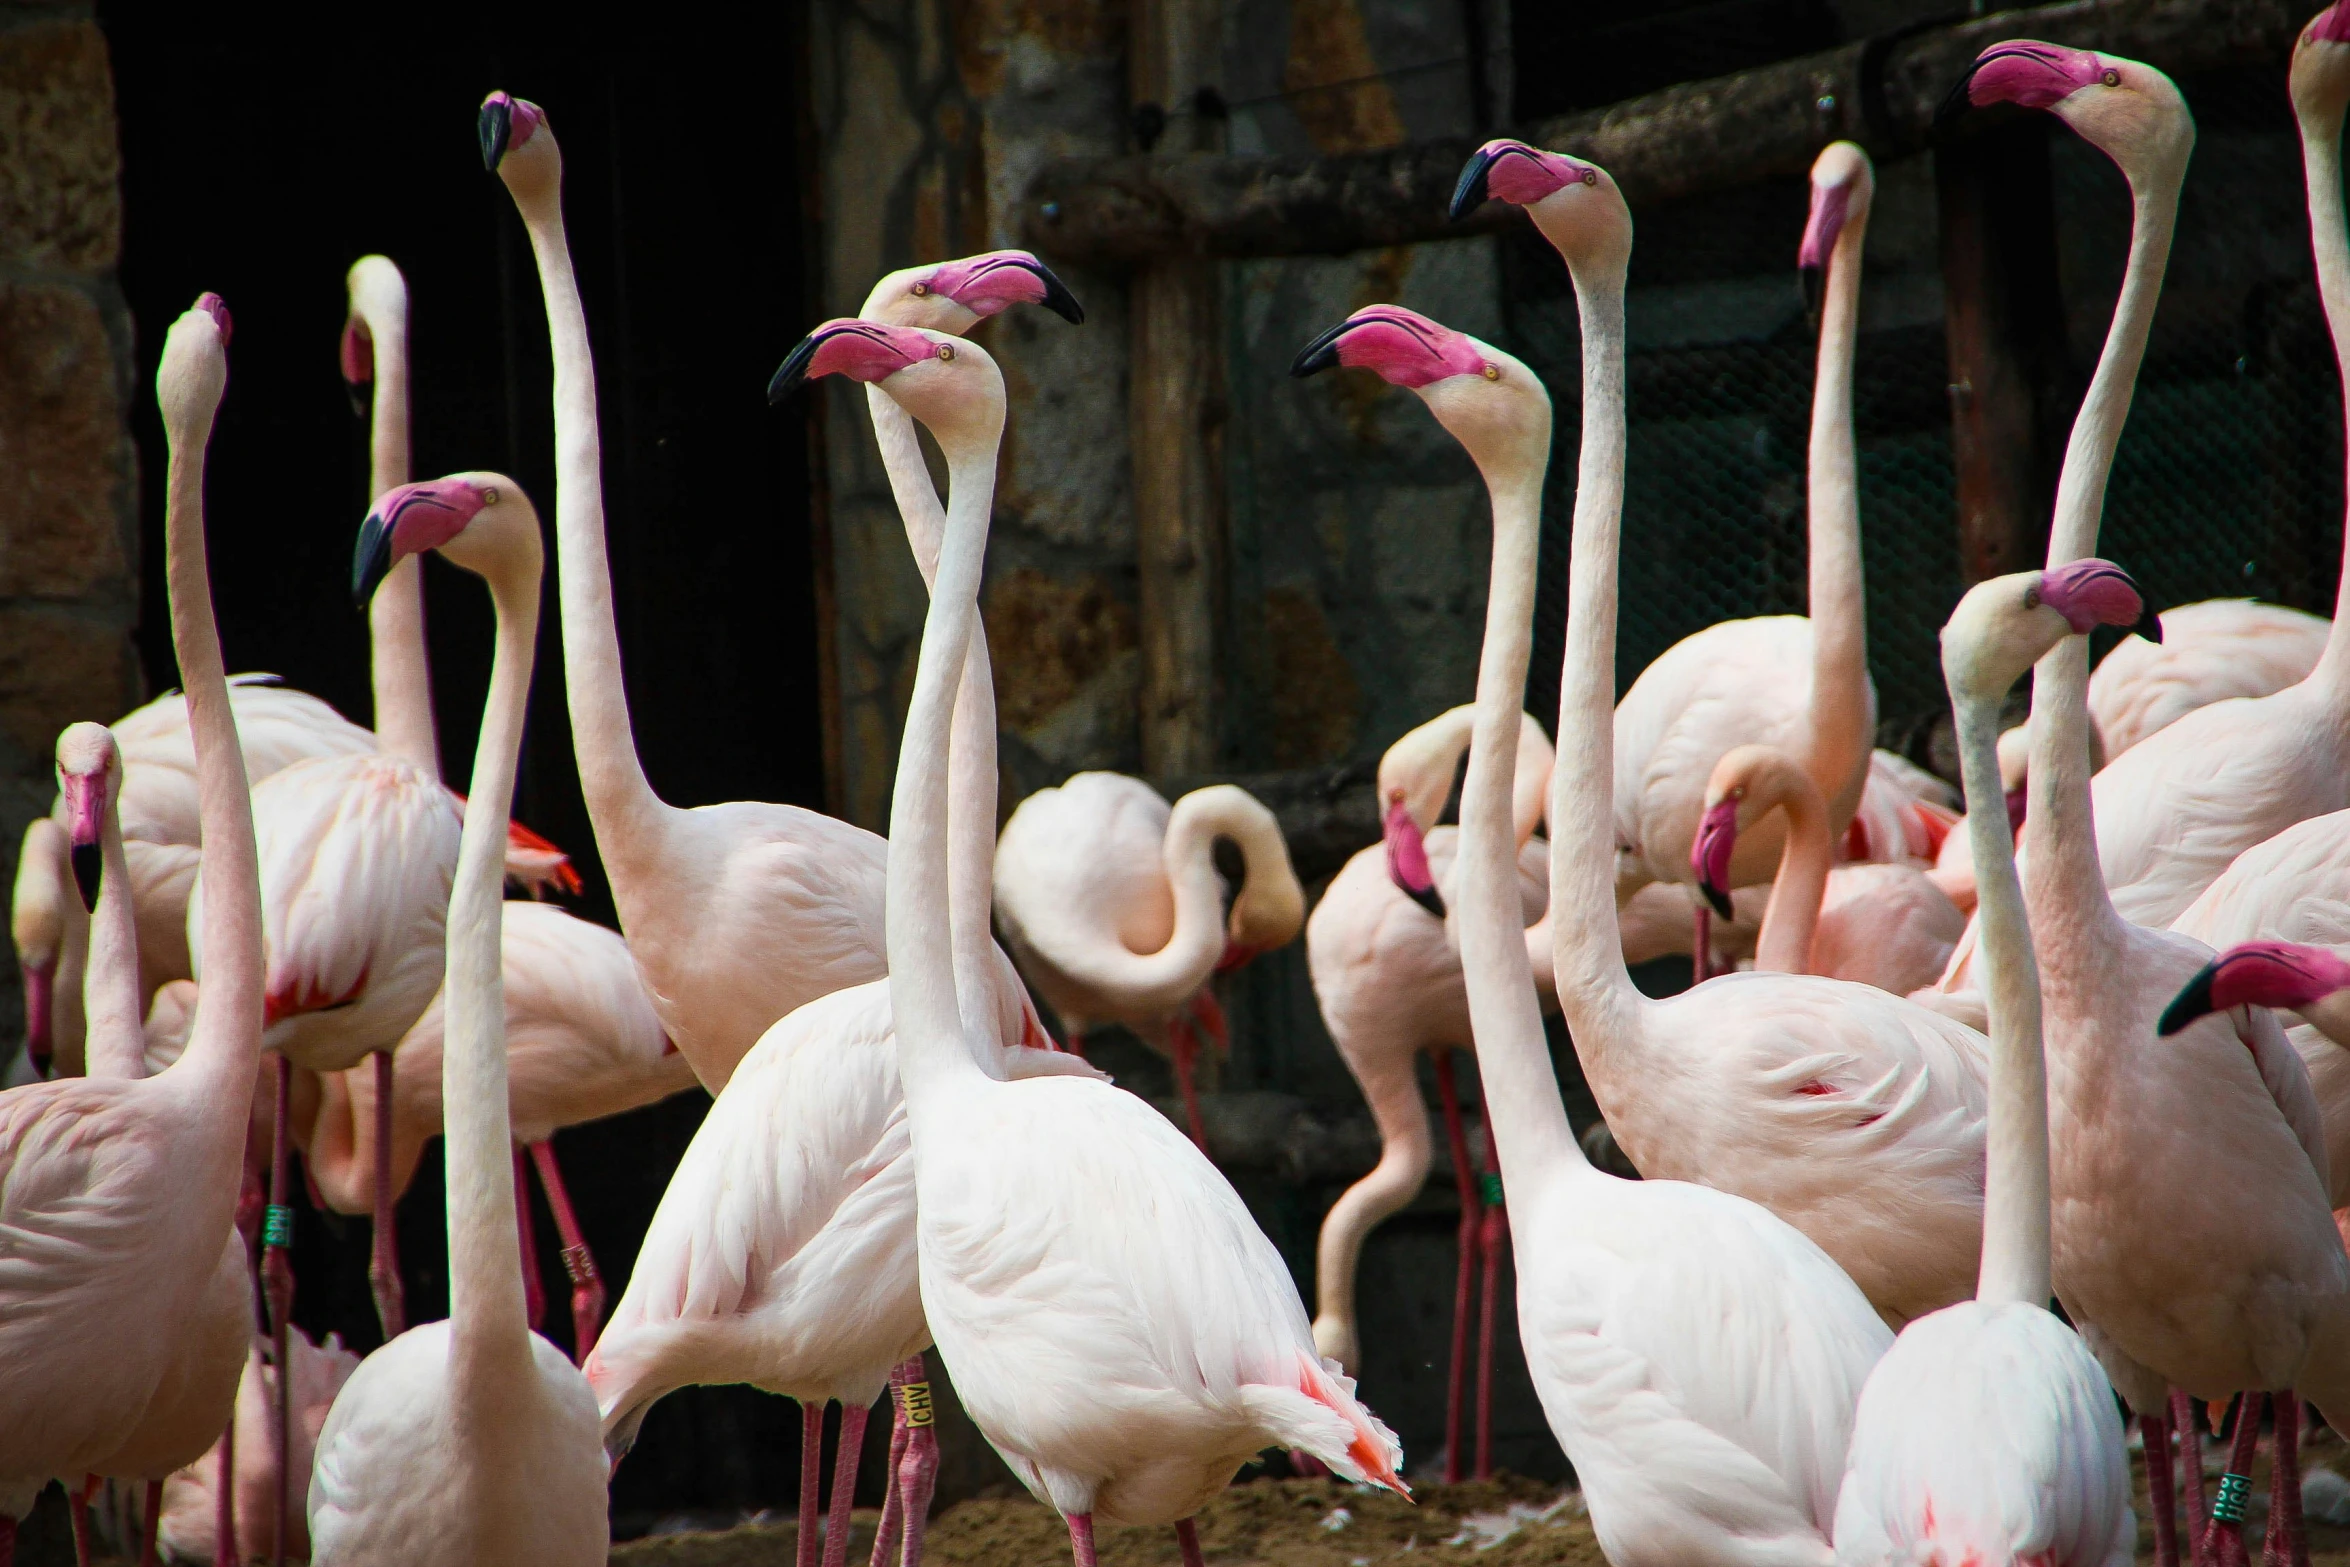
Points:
(811, 1460)
(2161, 1500)
(1215, 1030)
(150, 1522)
(885, 1535)
(383, 1261)
(78, 1499)
(1187, 1540)
(534, 1289)
(1081, 1539)
(1185, 1041)
(2182, 1413)
(1464, 1282)
(918, 1470)
(2227, 1509)
(2285, 1545)
(844, 1484)
(587, 1285)
(1701, 951)
(224, 1502)
(277, 1283)
(1490, 1243)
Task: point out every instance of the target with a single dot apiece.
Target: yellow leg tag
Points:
(917, 1397)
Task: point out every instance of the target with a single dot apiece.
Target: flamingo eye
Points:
(489, 496)
(1591, 176)
(946, 352)
(920, 291)
(1492, 372)
(2112, 77)
(2031, 598)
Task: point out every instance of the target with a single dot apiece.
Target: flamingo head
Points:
(217, 308)
(2282, 974)
(376, 291)
(1575, 204)
(1407, 856)
(950, 385)
(89, 776)
(1749, 782)
(193, 374)
(1493, 405)
(2003, 625)
(1842, 184)
(480, 521)
(2130, 112)
(2321, 69)
(517, 144)
(954, 296)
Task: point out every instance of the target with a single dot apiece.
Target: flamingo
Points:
(122, 1188)
(1882, 923)
(193, 1512)
(1696, 1357)
(1122, 1382)
(473, 1439)
(2177, 807)
(2251, 1205)
(1854, 1115)
(1988, 1432)
(1387, 977)
(1113, 908)
(736, 914)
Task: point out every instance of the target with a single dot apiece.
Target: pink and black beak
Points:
(358, 354)
(1830, 206)
(505, 122)
(989, 283)
(1402, 346)
(1407, 860)
(2029, 74)
(1709, 855)
(2281, 974)
(1512, 171)
(85, 809)
(861, 350)
(408, 521)
(2091, 593)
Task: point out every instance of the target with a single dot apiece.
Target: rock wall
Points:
(68, 471)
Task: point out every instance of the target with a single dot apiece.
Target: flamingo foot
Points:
(918, 1469)
(383, 1259)
(2285, 1544)
(1081, 1539)
(885, 1535)
(811, 1461)
(2160, 1497)
(587, 1285)
(1187, 1540)
(844, 1484)
(526, 1241)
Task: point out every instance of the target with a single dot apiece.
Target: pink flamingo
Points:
(1854, 1115)
(1114, 910)
(193, 1513)
(1697, 1357)
(122, 1189)
(471, 1439)
(1988, 1432)
(1387, 977)
(1881, 923)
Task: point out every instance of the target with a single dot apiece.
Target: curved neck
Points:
(2321, 159)
(971, 763)
(115, 1046)
(1783, 946)
(401, 672)
(1594, 990)
(1841, 701)
(1522, 1103)
(225, 1042)
(486, 1307)
(1093, 957)
(935, 1060)
(2015, 1196)
(621, 803)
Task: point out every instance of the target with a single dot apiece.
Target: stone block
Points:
(62, 445)
(1049, 637)
(60, 162)
(57, 667)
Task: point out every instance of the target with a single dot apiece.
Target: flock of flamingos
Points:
(1819, 1330)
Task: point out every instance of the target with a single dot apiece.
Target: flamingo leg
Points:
(587, 1285)
(844, 1484)
(885, 1535)
(534, 1289)
(150, 1522)
(918, 1470)
(2227, 1509)
(1491, 1242)
(383, 1260)
(2284, 1544)
(7, 1539)
(1081, 1539)
(78, 1500)
(2160, 1497)
(1464, 1282)
(1187, 1540)
(1701, 949)
(811, 1461)
(224, 1502)
(1184, 1041)
(277, 1283)
(2182, 1411)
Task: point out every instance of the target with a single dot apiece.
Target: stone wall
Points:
(68, 471)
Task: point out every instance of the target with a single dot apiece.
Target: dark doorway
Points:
(260, 159)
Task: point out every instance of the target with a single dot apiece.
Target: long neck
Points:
(972, 755)
(1522, 1103)
(1783, 946)
(1841, 701)
(2321, 159)
(1095, 959)
(934, 1055)
(485, 1282)
(110, 985)
(2015, 1196)
(395, 616)
(1595, 992)
(621, 803)
(224, 1045)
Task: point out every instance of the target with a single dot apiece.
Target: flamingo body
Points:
(191, 1497)
(2209, 652)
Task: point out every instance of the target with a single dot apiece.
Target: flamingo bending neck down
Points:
(1696, 1357)
(473, 1439)
(122, 1190)
(1988, 1432)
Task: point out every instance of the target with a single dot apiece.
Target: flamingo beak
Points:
(1322, 353)
(1057, 297)
(1469, 193)
(2190, 1004)
(1407, 860)
(1709, 856)
(495, 127)
(88, 874)
(371, 560)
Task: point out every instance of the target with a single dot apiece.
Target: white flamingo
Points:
(472, 1439)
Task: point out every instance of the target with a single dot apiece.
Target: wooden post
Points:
(1176, 412)
(2011, 393)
